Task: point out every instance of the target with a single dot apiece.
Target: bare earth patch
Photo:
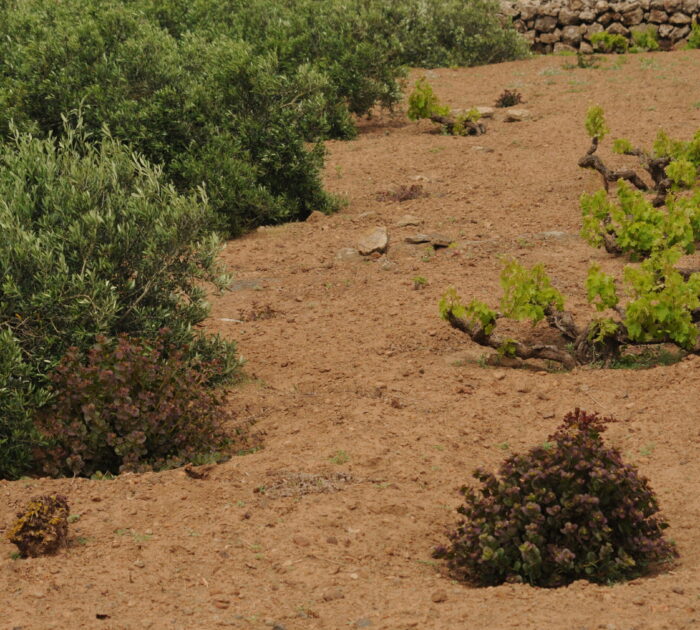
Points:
(355, 377)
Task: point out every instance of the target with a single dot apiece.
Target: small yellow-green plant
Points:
(609, 43)
(423, 103)
(644, 40)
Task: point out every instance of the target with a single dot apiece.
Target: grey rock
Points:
(347, 254)
(517, 115)
(657, 16)
(375, 241)
(408, 219)
(634, 17)
(593, 28)
(417, 239)
(571, 35)
(550, 38)
(617, 29)
(665, 30)
(679, 19)
(486, 112)
(528, 12)
(440, 240)
(363, 623)
(567, 16)
(680, 32)
(545, 24)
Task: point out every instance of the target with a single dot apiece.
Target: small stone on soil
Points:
(375, 241)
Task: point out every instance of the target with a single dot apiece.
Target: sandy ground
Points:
(375, 411)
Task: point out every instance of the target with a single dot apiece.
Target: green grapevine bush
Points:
(94, 241)
(567, 510)
(663, 306)
(637, 224)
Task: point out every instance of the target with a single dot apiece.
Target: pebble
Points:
(300, 541)
(363, 623)
(139, 563)
(333, 594)
(499, 375)
(439, 596)
(408, 219)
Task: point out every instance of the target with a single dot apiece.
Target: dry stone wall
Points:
(561, 25)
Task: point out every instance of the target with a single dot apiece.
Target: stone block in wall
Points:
(672, 5)
(567, 17)
(605, 18)
(559, 47)
(645, 28)
(657, 16)
(550, 38)
(691, 6)
(571, 35)
(679, 19)
(633, 17)
(545, 24)
(529, 37)
(601, 6)
(592, 29)
(549, 10)
(657, 4)
(585, 48)
(587, 15)
(520, 26)
(576, 5)
(617, 29)
(528, 12)
(680, 32)
(665, 30)
(645, 4)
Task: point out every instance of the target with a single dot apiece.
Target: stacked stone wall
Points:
(561, 25)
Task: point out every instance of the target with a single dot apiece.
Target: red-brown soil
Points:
(356, 379)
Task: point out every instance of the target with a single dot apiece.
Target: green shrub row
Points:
(230, 93)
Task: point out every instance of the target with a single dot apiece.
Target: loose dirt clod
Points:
(43, 526)
(294, 484)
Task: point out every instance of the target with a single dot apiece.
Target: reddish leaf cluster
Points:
(128, 406)
(567, 510)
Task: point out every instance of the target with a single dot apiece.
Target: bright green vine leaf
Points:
(595, 122)
(527, 293)
(601, 289)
